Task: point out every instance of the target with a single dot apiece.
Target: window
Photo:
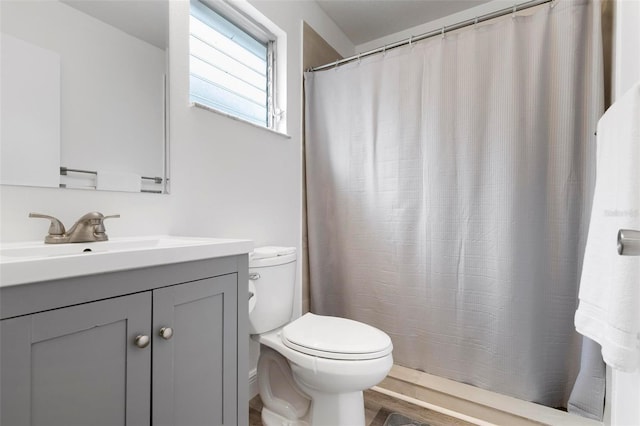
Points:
(232, 63)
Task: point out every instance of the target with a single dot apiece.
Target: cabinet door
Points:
(77, 365)
(195, 371)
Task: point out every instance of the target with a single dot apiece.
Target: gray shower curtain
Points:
(449, 189)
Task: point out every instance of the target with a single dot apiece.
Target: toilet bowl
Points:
(312, 370)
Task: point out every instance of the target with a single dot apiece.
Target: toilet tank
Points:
(272, 277)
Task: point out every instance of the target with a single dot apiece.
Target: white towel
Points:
(609, 308)
(118, 181)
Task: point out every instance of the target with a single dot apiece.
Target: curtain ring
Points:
(410, 41)
(442, 32)
(515, 7)
(384, 50)
(359, 58)
(475, 21)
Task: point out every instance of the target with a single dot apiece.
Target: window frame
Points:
(252, 28)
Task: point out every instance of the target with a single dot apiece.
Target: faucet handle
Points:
(56, 227)
(100, 229)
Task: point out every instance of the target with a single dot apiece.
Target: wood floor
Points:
(377, 408)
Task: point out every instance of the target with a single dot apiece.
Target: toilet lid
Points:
(335, 338)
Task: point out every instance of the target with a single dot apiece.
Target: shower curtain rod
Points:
(441, 31)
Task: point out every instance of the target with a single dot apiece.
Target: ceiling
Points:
(366, 20)
(144, 19)
(360, 20)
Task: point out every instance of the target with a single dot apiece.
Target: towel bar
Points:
(65, 170)
(628, 242)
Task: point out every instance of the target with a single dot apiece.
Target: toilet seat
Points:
(335, 338)
(334, 374)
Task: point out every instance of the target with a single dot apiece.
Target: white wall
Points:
(232, 179)
(228, 178)
(40, 23)
(626, 40)
(455, 18)
(623, 402)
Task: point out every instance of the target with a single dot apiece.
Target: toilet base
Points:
(269, 418)
(346, 409)
(349, 411)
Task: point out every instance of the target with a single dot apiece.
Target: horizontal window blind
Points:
(228, 67)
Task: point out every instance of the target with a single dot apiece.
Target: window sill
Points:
(233, 117)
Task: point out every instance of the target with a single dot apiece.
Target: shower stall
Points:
(449, 186)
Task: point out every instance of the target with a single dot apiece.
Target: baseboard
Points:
(253, 383)
(474, 405)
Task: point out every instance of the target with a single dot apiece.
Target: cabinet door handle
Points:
(166, 333)
(142, 341)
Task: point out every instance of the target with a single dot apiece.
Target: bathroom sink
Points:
(22, 263)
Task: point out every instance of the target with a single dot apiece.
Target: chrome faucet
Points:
(88, 228)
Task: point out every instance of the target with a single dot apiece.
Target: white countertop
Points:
(28, 262)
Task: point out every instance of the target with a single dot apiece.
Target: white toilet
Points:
(312, 370)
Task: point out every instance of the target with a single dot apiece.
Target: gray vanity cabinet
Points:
(194, 370)
(69, 353)
(77, 365)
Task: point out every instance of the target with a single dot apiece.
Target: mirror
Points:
(84, 94)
